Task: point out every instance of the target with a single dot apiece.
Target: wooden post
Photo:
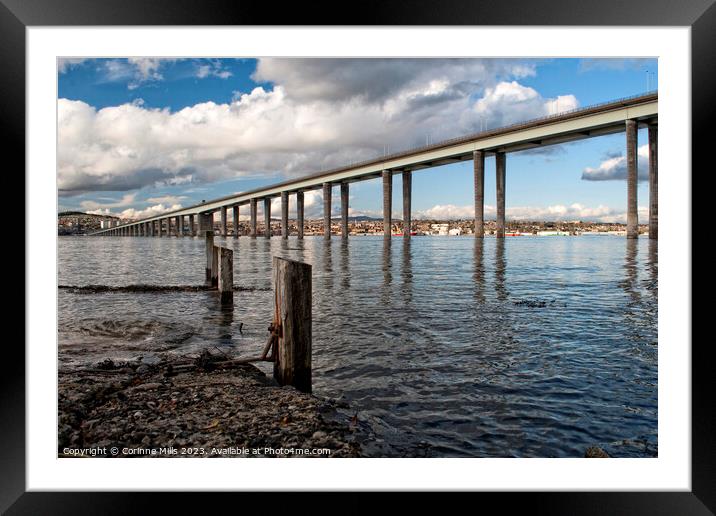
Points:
(226, 275)
(215, 266)
(209, 241)
(292, 323)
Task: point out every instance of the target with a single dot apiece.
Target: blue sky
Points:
(142, 136)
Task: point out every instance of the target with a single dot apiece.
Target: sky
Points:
(142, 136)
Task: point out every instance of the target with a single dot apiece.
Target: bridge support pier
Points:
(299, 214)
(653, 183)
(500, 173)
(206, 222)
(387, 202)
(407, 199)
(267, 216)
(284, 215)
(192, 230)
(478, 161)
(179, 223)
(252, 214)
(235, 219)
(327, 211)
(632, 214)
(223, 221)
(344, 210)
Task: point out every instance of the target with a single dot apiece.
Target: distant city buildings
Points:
(73, 223)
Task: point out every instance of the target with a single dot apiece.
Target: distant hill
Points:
(76, 213)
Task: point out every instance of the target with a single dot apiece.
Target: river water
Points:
(446, 346)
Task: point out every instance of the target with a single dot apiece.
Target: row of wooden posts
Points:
(290, 330)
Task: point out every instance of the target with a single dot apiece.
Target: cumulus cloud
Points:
(378, 80)
(558, 212)
(126, 200)
(524, 103)
(614, 167)
(317, 115)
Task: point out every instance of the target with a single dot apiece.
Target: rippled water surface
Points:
(447, 346)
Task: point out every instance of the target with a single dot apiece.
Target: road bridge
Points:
(624, 115)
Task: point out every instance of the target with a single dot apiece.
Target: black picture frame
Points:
(17, 15)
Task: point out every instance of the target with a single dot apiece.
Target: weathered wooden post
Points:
(226, 275)
(292, 323)
(209, 242)
(215, 266)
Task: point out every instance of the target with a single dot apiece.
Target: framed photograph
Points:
(423, 247)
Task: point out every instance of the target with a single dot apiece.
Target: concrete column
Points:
(223, 221)
(632, 215)
(407, 195)
(344, 210)
(206, 222)
(235, 219)
(327, 211)
(299, 214)
(151, 228)
(267, 216)
(284, 215)
(169, 226)
(387, 202)
(179, 222)
(159, 227)
(253, 219)
(192, 229)
(478, 161)
(500, 169)
(653, 183)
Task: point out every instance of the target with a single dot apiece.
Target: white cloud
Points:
(151, 211)
(212, 69)
(510, 102)
(65, 63)
(613, 168)
(135, 70)
(319, 114)
(126, 200)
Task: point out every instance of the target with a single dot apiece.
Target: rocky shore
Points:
(156, 408)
